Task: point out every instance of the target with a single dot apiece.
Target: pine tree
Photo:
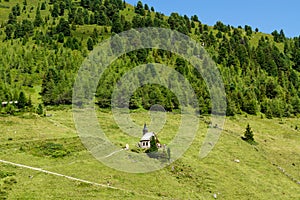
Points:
(62, 6)
(248, 136)
(38, 21)
(116, 24)
(153, 147)
(12, 19)
(9, 29)
(40, 110)
(55, 11)
(90, 44)
(63, 27)
(16, 10)
(139, 9)
(43, 6)
(22, 101)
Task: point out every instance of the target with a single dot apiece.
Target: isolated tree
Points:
(248, 136)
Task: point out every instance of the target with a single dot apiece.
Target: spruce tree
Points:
(248, 136)
(90, 44)
(153, 146)
(22, 101)
(55, 11)
(38, 21)
(40, 110)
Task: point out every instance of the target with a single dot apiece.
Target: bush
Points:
(54, 150)
(4, 174)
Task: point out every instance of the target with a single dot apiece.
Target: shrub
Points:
(54, 150)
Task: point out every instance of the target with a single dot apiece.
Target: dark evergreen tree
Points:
(43, 6)
(117, 26)
(40, 110)
(90, 44)
(24, 28)
(139, 8)
(55, 10)
(16, 10)
(38, 21)
(63, 27)
(12, 19)
(153, 146)
(62, 7)
(248, 136)
(79, 17)
(248, 30)
(86, 17)
(9, 30)
(60, 38)
(22, 101)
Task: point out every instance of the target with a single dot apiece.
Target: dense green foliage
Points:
(43, 45)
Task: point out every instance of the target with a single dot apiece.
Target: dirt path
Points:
(61, 175)
(73, 178)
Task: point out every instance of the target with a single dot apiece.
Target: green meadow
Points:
(52, 143)
(261, 77)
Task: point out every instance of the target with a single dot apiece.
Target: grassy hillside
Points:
(41, 39)
(257, 176)
(261, 77)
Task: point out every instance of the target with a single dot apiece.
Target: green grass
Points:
(255, 177)
(52, 143)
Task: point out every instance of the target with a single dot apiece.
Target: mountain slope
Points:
(256, 175)
(40, 57)
(44, 40)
